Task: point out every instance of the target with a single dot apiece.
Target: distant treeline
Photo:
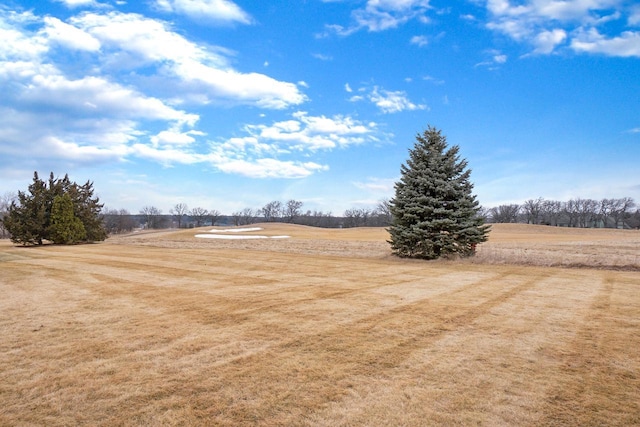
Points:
(587, 213)
(583, 213)
(180, 216)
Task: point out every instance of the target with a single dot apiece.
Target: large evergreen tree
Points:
(42, 213)
(65, 227)
(434, 212)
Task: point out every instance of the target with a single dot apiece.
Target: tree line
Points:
(181, 216)
(578, 212)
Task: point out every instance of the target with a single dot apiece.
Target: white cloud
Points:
(377, 185)
(270, 168)
(175, 137)
(547, 24)
(69, 36)
(563, 10)
(247, 88)
(83, 141)
(91, 116)
(421, 41)
(148, 41)
(433, 80)
(82, 120)
(209, 10)
(55, 147)
(625, 45)
(309, 133)
(167, 156)
(322, 57)
(17, 44)
(500, 59)
(44, 113)
(78, 3)
(393, 101)
(634, 16)
(559, 10)
(547, 41)
(265, 151)
(495, 59)
(96, 96)
(380, 15)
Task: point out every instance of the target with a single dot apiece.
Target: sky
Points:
(227, 105)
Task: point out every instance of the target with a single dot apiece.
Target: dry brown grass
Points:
(561, 247)
(325, 328)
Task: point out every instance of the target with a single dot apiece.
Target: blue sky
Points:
(232, 104)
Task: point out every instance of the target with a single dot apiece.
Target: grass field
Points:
(325, 328)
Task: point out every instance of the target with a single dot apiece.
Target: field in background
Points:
(324, 328)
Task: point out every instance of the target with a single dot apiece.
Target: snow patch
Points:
(236, 237)
(236, 230)
(214, 234)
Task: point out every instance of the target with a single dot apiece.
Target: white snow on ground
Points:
(236, 237)
(236, 230)
(213, 234)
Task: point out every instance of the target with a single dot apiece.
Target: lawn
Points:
(322, 328)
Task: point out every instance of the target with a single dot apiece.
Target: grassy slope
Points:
(324, 328)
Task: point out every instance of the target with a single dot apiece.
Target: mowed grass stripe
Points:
(493, 370)
(601, 379)
(306, 373)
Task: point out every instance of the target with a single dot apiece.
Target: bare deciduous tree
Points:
(505, 213)
(244, 217)
(152, 216)
(622, 206)
(318, 218)
(357, 217)
(199, 215)
(272, 211)
(383, 212)
(571, 209)
(587, 212)
(551, 212)
(292, 210)
(179, 211)
(118, 221)
(214, 216)
(533, 209)
(5, 201)
(576, 212)
(606, 208)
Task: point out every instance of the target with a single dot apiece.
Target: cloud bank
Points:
(585, 26)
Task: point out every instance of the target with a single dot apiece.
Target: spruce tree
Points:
(434, 212)
(65, 228)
